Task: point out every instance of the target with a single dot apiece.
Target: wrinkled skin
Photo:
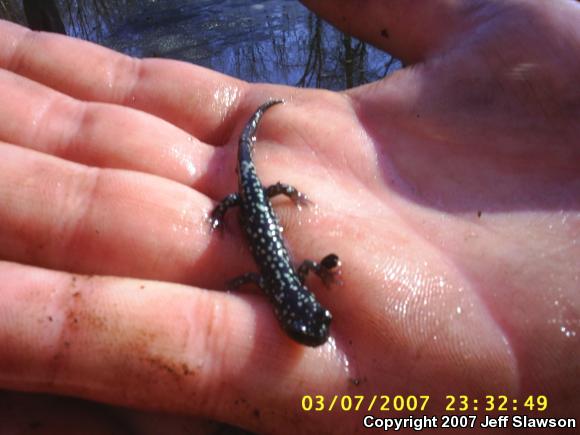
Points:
(450, 190)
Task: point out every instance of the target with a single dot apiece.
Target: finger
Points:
(407, 30)
(193, 98)
(67, 216)
(154, 345)
(98, 134)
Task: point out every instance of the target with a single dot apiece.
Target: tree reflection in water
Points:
(276, 41)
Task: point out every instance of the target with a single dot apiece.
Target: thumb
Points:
(407, 30)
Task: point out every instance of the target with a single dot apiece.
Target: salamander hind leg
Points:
(216, 218)
(291, 192)
(246, 278)
(328, 270)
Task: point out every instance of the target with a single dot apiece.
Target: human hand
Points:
(438, 298)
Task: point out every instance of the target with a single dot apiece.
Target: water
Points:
(274, 41)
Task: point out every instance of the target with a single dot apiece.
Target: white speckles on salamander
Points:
(302, 317)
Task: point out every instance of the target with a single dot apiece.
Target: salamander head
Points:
(312, 328)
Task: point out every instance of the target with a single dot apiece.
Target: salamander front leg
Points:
(216, 218)
(291, 192)
(328, 270)
(246, 278)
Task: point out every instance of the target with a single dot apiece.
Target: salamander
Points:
(298, 311)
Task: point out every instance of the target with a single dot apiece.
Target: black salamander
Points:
(301, 316)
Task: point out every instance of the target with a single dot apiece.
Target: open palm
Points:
(450, 191)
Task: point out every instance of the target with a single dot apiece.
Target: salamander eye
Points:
(331, 261)
(323, 317)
